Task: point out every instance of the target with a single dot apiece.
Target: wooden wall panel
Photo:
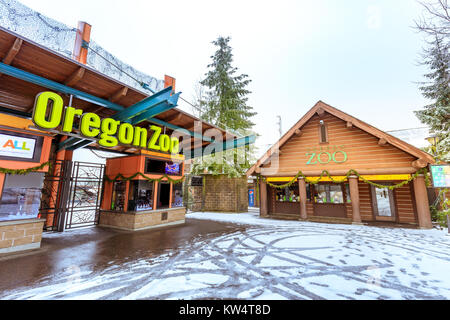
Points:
(362, 149)
(310, 209)
(405, 205)
(365, 199)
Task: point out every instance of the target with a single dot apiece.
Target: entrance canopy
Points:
(27, 69)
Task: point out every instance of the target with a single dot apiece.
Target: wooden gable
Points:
(351, 144)
(347, 148)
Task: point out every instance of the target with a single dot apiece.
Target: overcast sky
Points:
(360, 56)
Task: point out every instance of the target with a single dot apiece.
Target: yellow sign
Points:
(108, 130)
(390, 177)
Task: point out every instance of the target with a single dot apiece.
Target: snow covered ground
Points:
(272, 260)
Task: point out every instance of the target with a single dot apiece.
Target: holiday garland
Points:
(25, 171)
(351, 172)
(123, 178)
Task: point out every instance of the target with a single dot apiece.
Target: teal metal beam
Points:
(56, 86)
(157, 109)
(219, 147)
(174, 127)
(145, 104)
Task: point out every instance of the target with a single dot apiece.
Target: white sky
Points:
(360, 56)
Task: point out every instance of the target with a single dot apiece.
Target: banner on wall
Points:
(19, 147)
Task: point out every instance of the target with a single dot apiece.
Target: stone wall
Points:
(20, 235)
(222, 194)
(134, 221)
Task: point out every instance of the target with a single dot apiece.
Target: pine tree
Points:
(223, 102)
(226, 97)
(437, 114)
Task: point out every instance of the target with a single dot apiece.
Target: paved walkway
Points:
(234, 256)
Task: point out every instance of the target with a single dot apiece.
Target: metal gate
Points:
(71, 195)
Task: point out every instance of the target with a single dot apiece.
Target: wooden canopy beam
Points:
(119, 94)
(419, 163)
(349, 125)
(13, 51)
(75, 77)
(175, 117)
(382, 142)
(320, 112)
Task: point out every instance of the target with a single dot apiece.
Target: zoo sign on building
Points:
(332, 167)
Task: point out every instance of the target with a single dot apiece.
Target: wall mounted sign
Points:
(440, 175)
(20, 147)
(325, 155)
(108, 131)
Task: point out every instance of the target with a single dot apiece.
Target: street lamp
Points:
(433, 140)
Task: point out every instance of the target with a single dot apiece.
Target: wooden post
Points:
(354, 196)
(303, 197)
(263, 212)
(155, 196)
(171, 194)
(83, 35)
(422, 205)
(169, 81)
(127, 191)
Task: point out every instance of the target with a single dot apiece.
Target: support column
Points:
(303, 197)
(354, 196)
(263, 211)
(422, 205)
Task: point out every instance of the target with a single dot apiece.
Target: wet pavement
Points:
(97, 248)
(233, 256)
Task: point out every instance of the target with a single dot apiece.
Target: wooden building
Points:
(358, 157)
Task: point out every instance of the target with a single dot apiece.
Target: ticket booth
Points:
(143, 191)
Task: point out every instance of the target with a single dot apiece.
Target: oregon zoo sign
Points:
(325, 156)
(108, 131)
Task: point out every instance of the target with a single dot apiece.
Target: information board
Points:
(440, 175)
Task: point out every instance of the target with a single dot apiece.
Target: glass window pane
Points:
(288, 194)
(321, 193)
(142, 197)
(383, 202)
(21, 196)
(177, 196)
(329, 193)
(118, 198)
(336, 194)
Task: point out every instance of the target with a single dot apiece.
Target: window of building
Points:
(329, 193)
(347, 193)
(21, 196)
(163, 167)
(118, 197)
(288, 194)
(140, 196)
(323, 134)
(177, 195)
(163, 195)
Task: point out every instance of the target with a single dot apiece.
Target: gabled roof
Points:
(321, 107)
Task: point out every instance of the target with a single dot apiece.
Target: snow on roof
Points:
(58, 37)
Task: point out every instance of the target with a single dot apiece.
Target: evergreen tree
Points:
(437, 114)
(222, 97)
(226, 97)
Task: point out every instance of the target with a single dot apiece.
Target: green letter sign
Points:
(92, 126)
